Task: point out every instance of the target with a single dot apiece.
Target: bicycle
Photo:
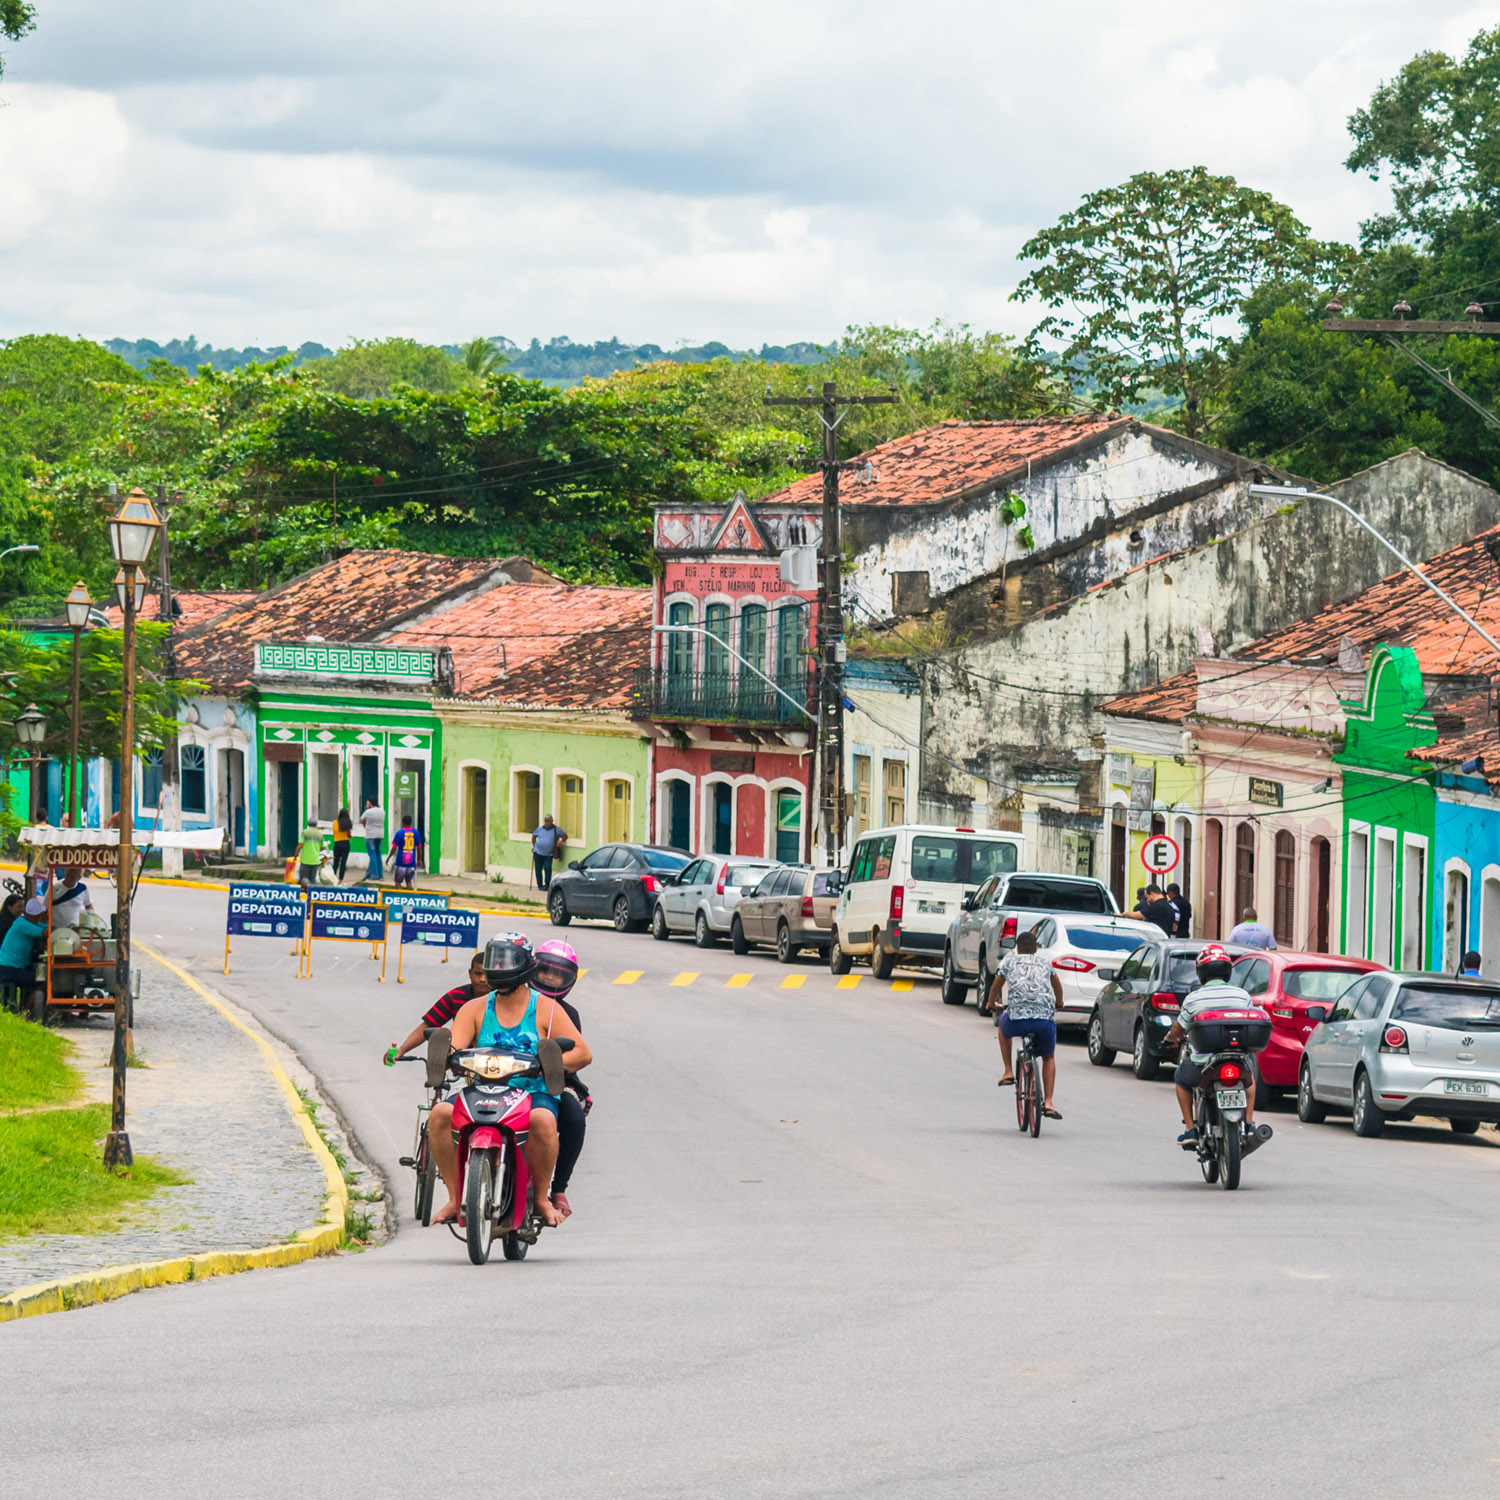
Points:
(421, 1158)
(1030, 1096)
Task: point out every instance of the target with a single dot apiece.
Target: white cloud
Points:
(678, 171)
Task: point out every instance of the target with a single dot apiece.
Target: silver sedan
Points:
(1395, 1046)
(1085, 952)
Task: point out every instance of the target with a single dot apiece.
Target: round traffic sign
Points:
(1160, 854)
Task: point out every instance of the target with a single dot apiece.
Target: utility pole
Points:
(831, 611)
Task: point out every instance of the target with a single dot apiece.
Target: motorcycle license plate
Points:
(1231, 1098)
(1463, 1086)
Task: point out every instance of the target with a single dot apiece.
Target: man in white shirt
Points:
(1252, 933)
(372, 821)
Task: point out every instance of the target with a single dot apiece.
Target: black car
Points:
(618, 881)
(1135, 1009)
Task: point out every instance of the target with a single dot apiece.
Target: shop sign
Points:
(406, 783)
(1265, 793)
(1120, 767)
(1142, 787)
(1139, 821)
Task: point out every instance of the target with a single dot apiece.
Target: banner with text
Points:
(265, 911)
(445, 929)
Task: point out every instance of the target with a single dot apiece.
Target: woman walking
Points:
(343, 826)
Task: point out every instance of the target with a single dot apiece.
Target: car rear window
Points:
(1057, 895)
(990, 857)
(1317, 984)
(664, 859)
(746, 876)
(1458, 1010)
(958, 861)
(825, 882)
(1103, 940)
(1182, 968)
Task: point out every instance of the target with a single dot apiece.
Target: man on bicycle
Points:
(1214, 989)
(1028, 1009)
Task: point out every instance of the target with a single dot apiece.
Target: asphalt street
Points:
(812, 1256)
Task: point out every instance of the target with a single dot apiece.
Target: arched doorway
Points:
(1244, 872)
(1322, 885)
(680, 814)
(1119, 838)
(1213, 878)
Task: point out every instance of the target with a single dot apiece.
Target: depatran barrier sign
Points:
(274, 911)
(440, 929)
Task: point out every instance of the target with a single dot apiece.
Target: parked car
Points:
(988, 921)
(1400, 1045)
(904, 886)
(617, 881)
(1135, 1009)
(1085, 952)
(791, 908)
(702, 897)
(1288, 984)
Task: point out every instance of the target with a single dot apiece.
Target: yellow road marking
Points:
(737, 981)
(901, 984)
(629, 976)
(683, 979)
(794, 981)
(849, 981)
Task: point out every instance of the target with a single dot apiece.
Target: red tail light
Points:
(1007, 928)
(1072, 965)
(1165, 1000)
(1394, 1039)
(898, 900)
(723, 875)
(807, 910)
(650, 883)
(1287, 1015)
(1229, 1072)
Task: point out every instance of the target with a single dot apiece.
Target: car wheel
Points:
(954, 991)
(737, 939)
(557, 909)
(659, 929)
(703, 934)
(1100, 1055)
(786, 949)
(1368, 1121)
(1464, 1127)
(882, 964)
(1309, 1109)
(622, 914)
(1142, 1064)
(982, 986)
(838, 961)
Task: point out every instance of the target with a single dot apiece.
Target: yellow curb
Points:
(117, 1281)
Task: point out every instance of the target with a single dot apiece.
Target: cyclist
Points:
(1035, 994)
(1214, 989)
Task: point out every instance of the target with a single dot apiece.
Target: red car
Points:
(1286, 983)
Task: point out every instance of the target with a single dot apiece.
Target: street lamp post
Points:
(79, 607)
(31, 730)
(132, 535)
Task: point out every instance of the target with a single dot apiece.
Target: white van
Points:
(904, 887)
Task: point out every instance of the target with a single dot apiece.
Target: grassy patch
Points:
(33, 1065)
(53, 1180)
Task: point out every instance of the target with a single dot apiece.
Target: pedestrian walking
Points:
(310, 855)
(1253, 933)
(546, 844)
(372, 821)
(406, 848)
(343, 827)
(1184, 909)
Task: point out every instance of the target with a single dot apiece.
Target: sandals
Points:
(1008, 1081)
(1052, 1114)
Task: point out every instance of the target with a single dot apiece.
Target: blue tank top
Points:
(521, 1038)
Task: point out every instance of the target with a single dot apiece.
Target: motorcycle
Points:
(491, 1120)
(1231, 1035)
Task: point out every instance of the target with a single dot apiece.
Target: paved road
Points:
(812, 1256)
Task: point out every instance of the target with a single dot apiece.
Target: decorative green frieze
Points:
(387, 663)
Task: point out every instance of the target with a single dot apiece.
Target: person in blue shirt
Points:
(1472, 964)
(406, 847)
(19, 947)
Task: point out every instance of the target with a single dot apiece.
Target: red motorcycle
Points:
(491, 1121)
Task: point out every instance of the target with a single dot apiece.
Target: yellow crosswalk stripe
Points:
(901, 984)
(794, 981)
(629, 976)
(736, 981)
(684, 979)
(849, 981)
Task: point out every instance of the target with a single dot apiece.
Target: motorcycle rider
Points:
(1214, 989)
(507, 1017)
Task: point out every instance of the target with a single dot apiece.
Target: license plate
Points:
(1231, 1098)
(932, 908)
(1463, 1086)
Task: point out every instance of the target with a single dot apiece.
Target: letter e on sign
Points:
(1160, 854)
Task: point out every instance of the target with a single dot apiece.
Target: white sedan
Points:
(1085, 953)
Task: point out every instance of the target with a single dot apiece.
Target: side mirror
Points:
(549, 1055)
(967, 904)
(1317, 1013)
(572, 864)
(439, 1044)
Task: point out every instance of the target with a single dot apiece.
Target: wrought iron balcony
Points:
(716, 698)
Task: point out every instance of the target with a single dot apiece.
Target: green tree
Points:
(17, 17)
(368, 368)
(481, 357)
(58, 395)
(1152, 275)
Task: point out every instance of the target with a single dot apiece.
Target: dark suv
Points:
(618, 881)
(1136, 1008)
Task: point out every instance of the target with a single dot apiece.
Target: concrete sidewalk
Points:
(465, 887)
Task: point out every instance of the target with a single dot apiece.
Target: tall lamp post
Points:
(79, 605)
(31, 730)
(132, 536)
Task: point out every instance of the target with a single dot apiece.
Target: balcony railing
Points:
(715, 697)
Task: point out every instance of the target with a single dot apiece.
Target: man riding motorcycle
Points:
(1214, 989)
(508, 1018)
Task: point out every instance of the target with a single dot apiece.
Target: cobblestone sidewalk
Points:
(205, 1104)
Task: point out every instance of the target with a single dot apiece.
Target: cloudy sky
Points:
(674, 171)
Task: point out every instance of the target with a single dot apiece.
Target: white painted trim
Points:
(664, 811)
(783, 784)
(462, 810)
(608, 777)
(514, 831)
(582, 832)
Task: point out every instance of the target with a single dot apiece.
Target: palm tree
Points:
(480, 358)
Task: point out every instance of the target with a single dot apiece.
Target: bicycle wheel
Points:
(1038, 1097)
(1023, 1087)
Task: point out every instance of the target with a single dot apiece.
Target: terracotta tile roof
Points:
(1169, 702)
(943, 462)
(198, 605)
(1470, 730)
(543, 645)
(355, 598)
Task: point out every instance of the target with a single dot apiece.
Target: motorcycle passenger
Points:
(508, 1018)
(1214, 989)
(1029, 1010)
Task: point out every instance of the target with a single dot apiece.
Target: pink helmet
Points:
(556, 968)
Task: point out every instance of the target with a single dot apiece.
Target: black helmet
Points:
(508, 961)
(1214, 962)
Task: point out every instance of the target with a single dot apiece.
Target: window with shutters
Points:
(194, 779)
(895, 792)
(1283, 915)
(861, 794)
(1244, 871)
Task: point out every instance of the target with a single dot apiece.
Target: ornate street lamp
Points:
(31, 730)
(133, 531)
(79, 606)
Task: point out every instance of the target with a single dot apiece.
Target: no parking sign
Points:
(1160, 854)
